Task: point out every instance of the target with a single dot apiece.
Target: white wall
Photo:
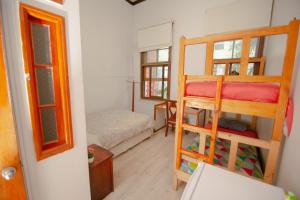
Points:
(106, 27)
(194, 18)
(65, 175)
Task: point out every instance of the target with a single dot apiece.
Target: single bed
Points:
(118, 130)
(213, 183)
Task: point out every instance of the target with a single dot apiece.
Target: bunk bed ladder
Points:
(208, 104)
(213, 132)
(182, 101)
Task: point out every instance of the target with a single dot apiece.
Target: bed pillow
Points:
(232, 124)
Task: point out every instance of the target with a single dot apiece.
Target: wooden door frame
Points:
(12, 149)
(16, 75)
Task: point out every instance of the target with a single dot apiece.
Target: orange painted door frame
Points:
(11, 177)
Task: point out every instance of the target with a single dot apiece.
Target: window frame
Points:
(163, 79)
(59, 66)
(258, 60)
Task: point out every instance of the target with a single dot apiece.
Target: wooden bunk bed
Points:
(219, 104)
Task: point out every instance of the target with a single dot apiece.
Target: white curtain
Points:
(155, 37)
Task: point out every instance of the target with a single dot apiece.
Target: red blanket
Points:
(258, 92)
(247, 133)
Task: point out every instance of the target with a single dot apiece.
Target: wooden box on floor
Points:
(101, 173)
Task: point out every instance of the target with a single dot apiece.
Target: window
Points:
(155, 74)
(44, 50)
(227, 56)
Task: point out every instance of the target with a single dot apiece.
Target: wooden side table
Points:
(101, 173)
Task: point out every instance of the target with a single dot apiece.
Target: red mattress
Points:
(259, 92)
(247, 133)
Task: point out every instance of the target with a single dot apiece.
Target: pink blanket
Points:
(258, 92)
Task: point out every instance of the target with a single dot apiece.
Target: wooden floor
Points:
(145, 171)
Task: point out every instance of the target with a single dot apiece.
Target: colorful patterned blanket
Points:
(247, 157)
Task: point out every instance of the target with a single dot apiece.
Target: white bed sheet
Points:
(110, 128)
(212, 183)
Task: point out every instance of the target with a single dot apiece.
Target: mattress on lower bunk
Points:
(258, 92)
(110, 128)
(246, 133)
(247, 160)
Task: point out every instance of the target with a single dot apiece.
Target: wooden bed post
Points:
(287, 74)
(214, 129)
(209, 70)
(202, 142)
(180, 107)
(209, 58)
(232, 155)
(261, 72)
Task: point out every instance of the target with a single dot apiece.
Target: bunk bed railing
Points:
(234, 139)
(260, 32)
(249, 79)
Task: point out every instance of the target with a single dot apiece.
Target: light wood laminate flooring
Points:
(145, 171)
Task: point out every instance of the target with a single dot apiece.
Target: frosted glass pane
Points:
(147, 72)
(41, 44)
(44, 80)
(223, 50)
(49, 127)
(156, 88)
(166, 72)
(157, 72)
(237, 51)
(219, 69)
(163, 55)
(147, 89)
(253, 47)
(228, 49)
(165, 89)
(235, 69)
(250, 70)
(151, 57)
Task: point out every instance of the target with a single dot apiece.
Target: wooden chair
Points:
(170, 115)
